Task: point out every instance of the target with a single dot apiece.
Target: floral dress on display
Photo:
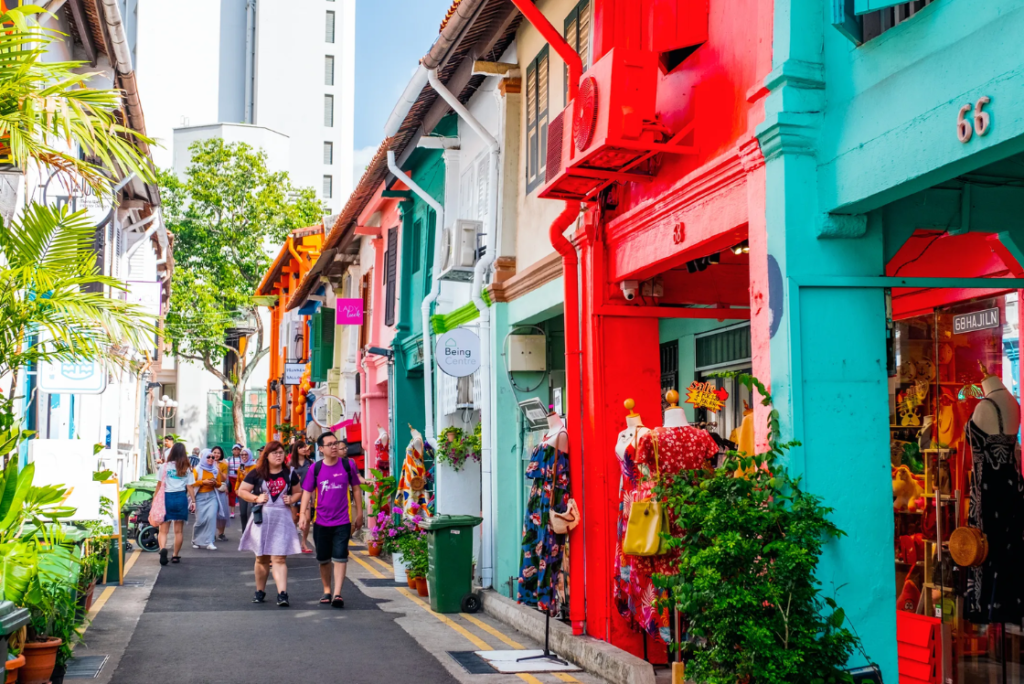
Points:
(543, 550)
(679, 448)
(412, 487)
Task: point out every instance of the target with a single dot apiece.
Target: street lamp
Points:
(166, 407)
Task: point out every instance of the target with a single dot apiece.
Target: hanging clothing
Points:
(994, 591)
(412, 487)
(543, 550)
(680, 448)
(380, 450)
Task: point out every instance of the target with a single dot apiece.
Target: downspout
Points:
(428, 301)
(570, 280)
(479, 272)
(250, 57)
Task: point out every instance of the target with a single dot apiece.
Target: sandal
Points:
(307, 550)
(338, 602)
(175, 559)
(325, 599)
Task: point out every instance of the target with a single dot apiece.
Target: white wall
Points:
(275, 144)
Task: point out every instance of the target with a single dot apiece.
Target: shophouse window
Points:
(328, 187)
(328, 152)
(330, 27)
(390, 276)
(875, 24)
(669, 369)
(329, 70)
(328, 110)
(577, 34)
(536, 119)
(417, 247)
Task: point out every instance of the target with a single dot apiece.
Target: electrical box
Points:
(527, 353)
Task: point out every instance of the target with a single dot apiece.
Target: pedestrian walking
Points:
(223, 507)
(234, 460)
(270, 533)
(325, 502)
(193, 459)
(208, 479)
(164, 455)
(177, 481)
(244, 468)
(301, 459)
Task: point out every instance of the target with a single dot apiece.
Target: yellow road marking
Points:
(95, 608)
(529, 678)
(492, 631)
(379, 562)
(131, 561)
(564, 677)
(473, 639)
(366, 565)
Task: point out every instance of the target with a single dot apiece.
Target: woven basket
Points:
(417, 484)
(968, 546)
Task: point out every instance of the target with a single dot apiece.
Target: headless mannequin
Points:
(556, 435)
(417, 439)
(675, 417)
(382, 435)
(634, 429)
(985, 415)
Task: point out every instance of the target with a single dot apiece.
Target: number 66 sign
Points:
(349, 312)
(981, 120)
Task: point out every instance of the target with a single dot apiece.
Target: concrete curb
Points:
(595, 656)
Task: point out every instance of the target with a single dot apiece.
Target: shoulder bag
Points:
(646, 520)
(158, 511)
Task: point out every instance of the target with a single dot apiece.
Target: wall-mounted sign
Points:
(976, 320)
(706, 396)
(293, 373)
(72, 378)
(964, 132)
(349, 312)
(458, 352)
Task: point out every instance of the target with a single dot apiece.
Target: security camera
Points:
(629, 289)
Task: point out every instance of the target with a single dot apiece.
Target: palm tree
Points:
(45, 109)
(46, 311)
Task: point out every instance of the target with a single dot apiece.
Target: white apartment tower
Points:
(285, 65)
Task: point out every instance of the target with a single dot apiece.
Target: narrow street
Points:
(194, 623)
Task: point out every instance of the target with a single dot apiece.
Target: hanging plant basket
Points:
(456, 447)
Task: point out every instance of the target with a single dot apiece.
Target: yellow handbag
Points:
(646, 521)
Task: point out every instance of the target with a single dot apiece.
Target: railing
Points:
(220, 429)
(877, 23)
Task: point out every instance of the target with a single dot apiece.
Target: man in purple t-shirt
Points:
(325, 491)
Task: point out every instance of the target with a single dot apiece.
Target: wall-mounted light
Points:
(741, 248)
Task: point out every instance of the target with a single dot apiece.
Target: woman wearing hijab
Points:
(271, 535)
(223, 504)
(245, 466)
(176, 480)
(208, 479)
(301, 459)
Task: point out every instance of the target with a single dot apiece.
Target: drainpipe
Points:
(250, 57)
(570, 279)
(435, 290)
(479, 272)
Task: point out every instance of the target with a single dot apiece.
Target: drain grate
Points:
(471, 662)
(384, 582)
(86, 667)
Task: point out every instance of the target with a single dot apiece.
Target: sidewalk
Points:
(194, 623)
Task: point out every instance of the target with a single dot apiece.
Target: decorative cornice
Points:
(529, 279)
(789, 133)
(797, 73)
(510, 85)
(842, 226)
(504, 269)
(749, 151)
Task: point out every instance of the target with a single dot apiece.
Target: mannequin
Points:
(382, 436)
(412, 487)
(985, 415)
(556, 435)
(674, 415)
(634, 428)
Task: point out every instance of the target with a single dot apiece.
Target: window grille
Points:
(330, 27)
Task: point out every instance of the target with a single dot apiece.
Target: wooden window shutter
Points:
(392, 275)
(322, 359)
(315, 349)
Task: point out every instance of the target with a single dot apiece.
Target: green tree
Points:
(227, 213)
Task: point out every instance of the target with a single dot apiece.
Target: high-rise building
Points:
(286, 65)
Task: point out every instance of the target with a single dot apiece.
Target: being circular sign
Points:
(458, 352)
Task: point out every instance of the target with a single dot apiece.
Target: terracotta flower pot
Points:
(421, 586)
(411, 581)
(12, 669)
(40, 659)
(374, 548)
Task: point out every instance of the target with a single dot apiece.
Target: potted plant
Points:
(419, 563)
(745, 571)
(392, 530)
(51, 635)
(456, 447)
(15, 659)
(381, 489)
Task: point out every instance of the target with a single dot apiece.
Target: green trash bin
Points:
(450, 576)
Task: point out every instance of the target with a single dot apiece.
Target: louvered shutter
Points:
(392, 273)
(323, 344)
(483, 177)
(329, 70)
(315, 349)
(330, 27)
(99, 244)
(865, 6)
(328, 111)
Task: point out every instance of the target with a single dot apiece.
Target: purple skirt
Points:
(277, 536)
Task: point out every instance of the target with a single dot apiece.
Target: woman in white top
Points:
(177, 480)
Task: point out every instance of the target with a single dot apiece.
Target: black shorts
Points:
(332, 542)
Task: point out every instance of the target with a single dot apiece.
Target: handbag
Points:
(646, 521)
(561, 523)
(968, 546)
(158, 511)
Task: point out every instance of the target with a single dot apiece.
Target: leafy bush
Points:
(414, 554)
(456, 448)
(745, 577)
(390, 532)
(381, 490)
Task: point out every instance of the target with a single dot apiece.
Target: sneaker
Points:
(282, 599)
(259, 596)
(195, 546)
(211, 547)
(163, 556)
(222, 537)
(232, 515)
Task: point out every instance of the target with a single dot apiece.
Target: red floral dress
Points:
(683, 448)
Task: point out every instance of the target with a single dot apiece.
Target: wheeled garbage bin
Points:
(450, 576)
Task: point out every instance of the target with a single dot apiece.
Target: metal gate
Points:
(220, 429)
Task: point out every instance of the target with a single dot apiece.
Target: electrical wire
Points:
(926, 248)
(508, 374)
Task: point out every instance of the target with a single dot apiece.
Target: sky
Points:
(391, 37)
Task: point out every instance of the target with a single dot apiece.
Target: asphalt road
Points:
(199, 626)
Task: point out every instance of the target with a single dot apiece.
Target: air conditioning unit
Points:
(609, 129)
(459, 250)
